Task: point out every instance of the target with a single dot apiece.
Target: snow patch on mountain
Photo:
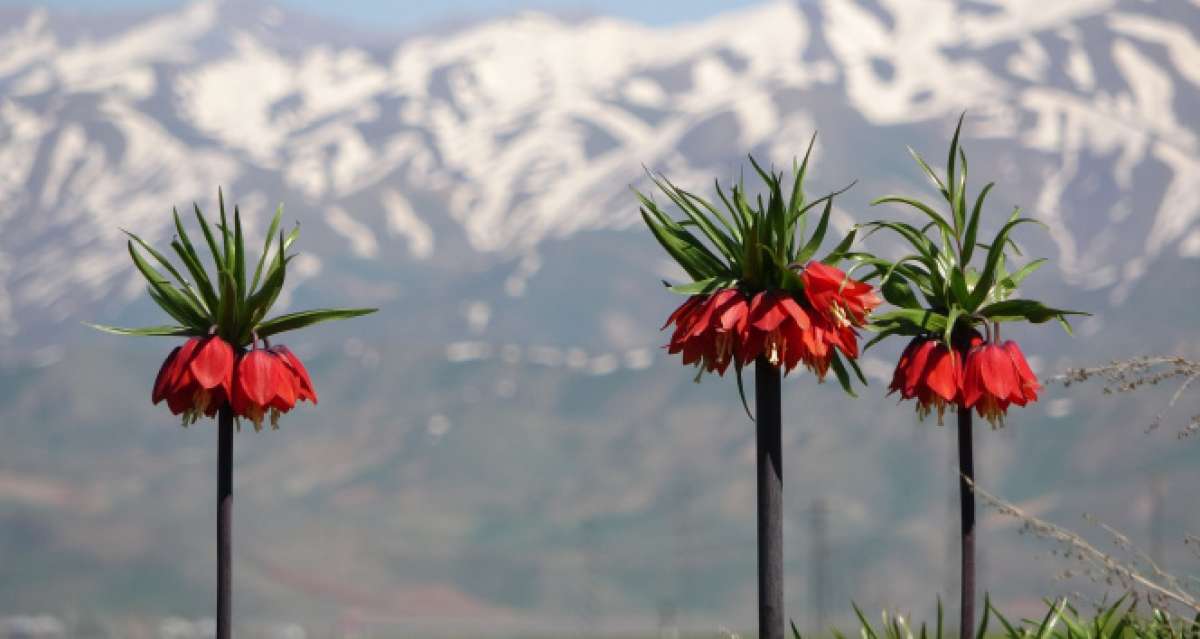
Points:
(528, 128)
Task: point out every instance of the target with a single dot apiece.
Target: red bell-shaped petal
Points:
(766, 314)
(1029, 385)
(256, 378)
(304, 389)
(733, 313)
(916, 368)
(285, 385)
(903, 366)
(212, 364)
(998, 371)
(684, 309)
(166, 375)
(794, 311)
(973, 386)
(991, 382)
(942, 372)
(833, 294)
(183, 380)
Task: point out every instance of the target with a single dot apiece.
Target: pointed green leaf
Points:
(843, 377)
(175, 307)
(720, 240)
(972, 231)
(259, 304)
(149, 331)
(796, 200)
(293, 321)
(1022, 309)
(741, 388)
(839, 252)
(954, 151)
(708, 285)
(814, 242)
(226, 236)
(177, 304)
(897, 292)
(925, 319)
(1013, 281)
(188, 292)
(987, 276)
(197, 271)
(951, 320)
(929, 172)
(227, 316)
(239, 254)
(191, 260)
(271, 230)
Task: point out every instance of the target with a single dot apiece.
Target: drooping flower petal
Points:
(903, 367)
(195, 378)
(212, 363)
(166, 376)
(709, 329)
(304, 387)
(256, 378)
(1028, 385)
(943, 372)
(766, 312)
(683, 310)
(998, 372)
(914, 379)
(930, 373)
(843, 300)
(285, 384)
(993, 380)
(183, 378)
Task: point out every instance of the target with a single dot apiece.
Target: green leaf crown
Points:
(953, 293)
(754, 244)
(232, 303)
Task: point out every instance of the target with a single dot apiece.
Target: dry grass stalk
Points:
(1135, 572)
(1125, 376)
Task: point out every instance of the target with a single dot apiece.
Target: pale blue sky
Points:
(406, 14)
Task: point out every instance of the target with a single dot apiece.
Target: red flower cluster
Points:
(976, 374)
(205, 374)
(729, 326)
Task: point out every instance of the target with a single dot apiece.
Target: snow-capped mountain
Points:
(472, 181)
(517, 130)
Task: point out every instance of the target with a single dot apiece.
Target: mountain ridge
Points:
(509, 408)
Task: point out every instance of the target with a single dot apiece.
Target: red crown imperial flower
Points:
(756, 290)
(196, 378)
(995, 376)
(224, 317)
(939, 368)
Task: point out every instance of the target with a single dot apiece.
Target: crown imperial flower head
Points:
(948, 361)
(223, 315)
(756, 289)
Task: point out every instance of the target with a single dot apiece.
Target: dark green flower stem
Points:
(966, 505)
(224, 521)
(770, 500)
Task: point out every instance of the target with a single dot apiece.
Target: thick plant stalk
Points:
(966, 505)
(770, 500)
(224, 521)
